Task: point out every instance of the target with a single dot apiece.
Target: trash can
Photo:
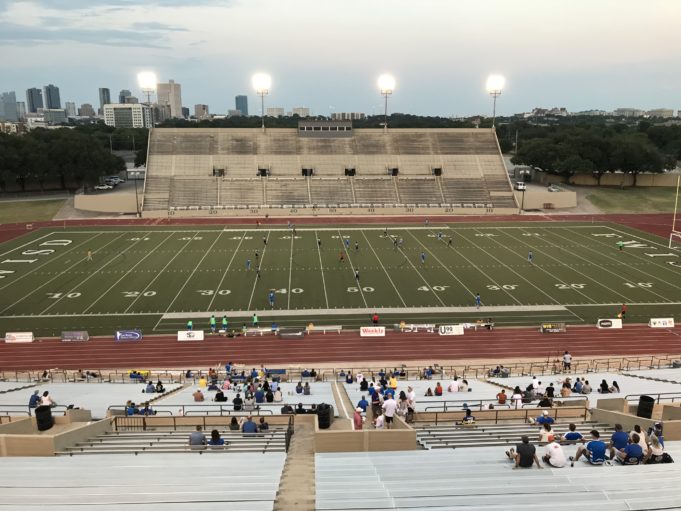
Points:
(43, 418)
(645, 407)
(324, 412)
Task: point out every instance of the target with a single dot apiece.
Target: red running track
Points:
(345, 348)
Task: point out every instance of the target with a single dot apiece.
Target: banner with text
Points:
(372, 331)
(552, 328)
(661, 323)
(609, 323)
(190, 335)
(76, 336)
(450, 330)
(128, 335)
(19, 337)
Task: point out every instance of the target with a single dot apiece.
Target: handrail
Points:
(21, 409)
(667, 395)
(224, 410)
(555, 412)
(140, 422)
(478, 403)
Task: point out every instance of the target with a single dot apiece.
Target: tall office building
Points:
(242, 104)
(127, 116)
(170, 94)
(104, 99)
(185, 112)
(51, 94)
(34, 100)
(275, 111)
(86, 110)
(130, 100)
(301, 111)
(8, 106)
(21, 110)
(70, 108)
(124, 94)
(201, 112)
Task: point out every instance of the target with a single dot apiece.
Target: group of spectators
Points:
(633, 448)
(536, 390)
(384, 406)
(37, 400)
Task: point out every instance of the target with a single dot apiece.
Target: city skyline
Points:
(440, 52)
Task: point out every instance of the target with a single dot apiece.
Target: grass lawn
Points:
(656, 199)
(158, 278)
(29, 211)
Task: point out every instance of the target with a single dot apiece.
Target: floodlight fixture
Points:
(262, 83)
(495, 85)
(148, 82)
(386, 84)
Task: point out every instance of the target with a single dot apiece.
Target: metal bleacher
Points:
(473, 172)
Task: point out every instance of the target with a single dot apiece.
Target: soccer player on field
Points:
(357, 275)
(620, 245)
(341, 257)
(423, 257)
(347, 243)
(478, 300)
(89, 255)
(449, 243)
(224, 323)
(264, 240)
(248, 264)
(212, 323)
(530, 257)
(270, 298)
(319, 243)
(356, 247)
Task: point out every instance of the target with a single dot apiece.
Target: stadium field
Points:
(158, 278)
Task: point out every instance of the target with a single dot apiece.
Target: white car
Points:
(520, 186)
(103, 187)
(115, 180)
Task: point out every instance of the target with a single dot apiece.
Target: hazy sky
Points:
(327, 54)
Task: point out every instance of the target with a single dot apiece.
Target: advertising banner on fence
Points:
(190, 335)
(661, 323)
(76, 336)
(609, 323)
(552, 328)
(450, 330)
(19, 337)
(372, 331)
(128, 335)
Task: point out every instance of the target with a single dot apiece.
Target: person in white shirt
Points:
(539, 391)
(641, 435)
(379, 422)
(554, 455)
(454, 385)
(535, 383)
(360, 377)
(389, 407)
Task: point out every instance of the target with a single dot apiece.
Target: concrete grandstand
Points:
(207, 171)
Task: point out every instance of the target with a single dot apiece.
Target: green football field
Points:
(158, 278)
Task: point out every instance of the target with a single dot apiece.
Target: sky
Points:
(328, 54)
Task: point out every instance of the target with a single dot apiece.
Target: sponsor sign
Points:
(128, 335)
(609, 323)
(75, 336)
(450, 330)
(661, 323)
(552, 328)
(19, 337)
(372, 331)
(190, 335)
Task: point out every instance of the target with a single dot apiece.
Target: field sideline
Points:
(157, 278)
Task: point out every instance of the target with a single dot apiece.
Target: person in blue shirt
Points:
(249, 426)
(248, 264)
(363, 404)
(578, 386)
(215, 439)
(544, 418)
(632, 454)
(33, 401)
(478, 300)
(259, 395)
(371, 390)
(271, 298)
(593, 452)
(423, 257)
(618, 441)
(572, 435)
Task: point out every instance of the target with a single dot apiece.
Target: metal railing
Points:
(477, 404)
(555, 413)
(659, 396)
(139, 423)
(24, 410)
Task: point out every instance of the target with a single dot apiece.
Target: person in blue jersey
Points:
(593, 452)
(573, 435)
(478, 300)
(632, 454)
(618, 440)
(271, 298)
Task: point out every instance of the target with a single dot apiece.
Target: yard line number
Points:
(434, 288)
(570, 286)
(502, 287)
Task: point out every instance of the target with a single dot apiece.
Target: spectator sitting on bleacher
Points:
(277, 396)
(360, 378)
(234, 425)
(213, 386)
(379, 421)
(33, 401)
(614, 388)
(364, 386)
(618, 440)
(539, 391)
(159, 387)
(544, 418)
(305, 374)
(238, 403)
(641, 435)
(550, 391)
(197, 439)
(464, 386)
(262, 425)
(438, 389)
(655, 452)
(130, 408)
(604, 388)
(313, 374)
(573, 435)
(259, 395)
(287, 410)
(306, 389)
(46, 400)
(453, 385)
(249, 427)
(546, 433)
(494, 372)
(274, 385)
(594, 451)
(586, 388)
(269, 396)
(632, 454)
(554, 455)
(517, 397)
(147, 410)
(249, 403)
(150, 388)
(545, 402)
(428, 373)
(220, 397)
(299, 388)
(468, 418)
(524, 455)
(565, 390)
(348, 377)
(501, 397)
(198, 395)
(215, 440)
(577, 387)
(300, 409)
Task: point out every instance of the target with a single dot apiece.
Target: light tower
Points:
(147, 81)
(495, 84)
(262, 83)
(386, 84)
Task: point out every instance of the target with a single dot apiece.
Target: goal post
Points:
(674, 235)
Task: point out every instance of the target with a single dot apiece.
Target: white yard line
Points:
(259, 265)
(26, 244)
(290, 272)
(55, 302)
(80, 261)
(193, 272)
(384, 270)
(160, 272)
(321, 268)
(50, 261)
(419, 273)
(224, 274)
(352, 266)
(126, 274)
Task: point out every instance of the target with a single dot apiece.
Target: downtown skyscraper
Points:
(104, 99)
(34, 100)
(51, 96)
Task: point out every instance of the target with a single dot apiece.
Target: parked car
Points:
(520, 186)
(115, 179)
(104, 187)
(554, 188)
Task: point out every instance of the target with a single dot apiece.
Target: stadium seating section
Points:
(180, 170)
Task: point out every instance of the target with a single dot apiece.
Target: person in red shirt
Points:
(374, 318)
(623, 312)
(501, 397)
(438, 389)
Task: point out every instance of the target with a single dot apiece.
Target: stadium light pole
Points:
(262, 83)
(148, 82)
(495, 84)
(386, 84)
